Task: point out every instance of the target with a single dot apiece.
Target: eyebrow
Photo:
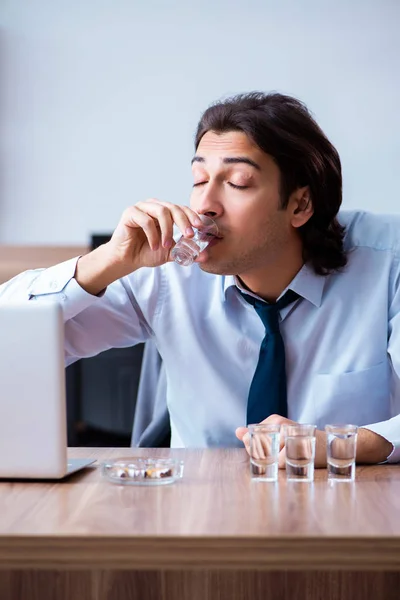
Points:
(231, 160)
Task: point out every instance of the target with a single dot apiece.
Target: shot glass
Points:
(300, 452)
(341, 446)
(264, 452)
(186, 250)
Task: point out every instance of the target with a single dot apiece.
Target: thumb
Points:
(241, 432)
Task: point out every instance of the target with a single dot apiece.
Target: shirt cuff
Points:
(390, 431)
(58, 284)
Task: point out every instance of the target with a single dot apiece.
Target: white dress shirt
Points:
(342, 338)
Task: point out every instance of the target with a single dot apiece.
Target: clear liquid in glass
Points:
(186, 250)
(300, 454)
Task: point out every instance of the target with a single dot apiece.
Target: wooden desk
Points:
(215, 534)
(15, 259)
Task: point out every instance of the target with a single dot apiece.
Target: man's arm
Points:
(143, 238)
(377, 442)
(372, 448)
(99, 302)
(92, 323)
(390, 429)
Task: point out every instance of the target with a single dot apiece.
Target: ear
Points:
(300, 207)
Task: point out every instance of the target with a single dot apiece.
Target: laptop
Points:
(33, 421)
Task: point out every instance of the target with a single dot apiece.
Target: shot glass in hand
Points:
(341, 446)
(264, 452)
(186, 250)
(300, 452)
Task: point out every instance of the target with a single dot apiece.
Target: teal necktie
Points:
(267, 394)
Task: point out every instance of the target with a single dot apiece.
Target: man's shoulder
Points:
(371, 230)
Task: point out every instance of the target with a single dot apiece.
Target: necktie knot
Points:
(269, 313)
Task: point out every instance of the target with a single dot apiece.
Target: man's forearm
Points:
(372, 448)
(98, 269)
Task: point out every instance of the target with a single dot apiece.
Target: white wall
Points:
(99, 99)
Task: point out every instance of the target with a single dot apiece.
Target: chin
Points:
(216, 269)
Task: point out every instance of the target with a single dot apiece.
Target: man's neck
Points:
(268, 282)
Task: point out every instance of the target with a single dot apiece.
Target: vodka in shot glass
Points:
(186, 250)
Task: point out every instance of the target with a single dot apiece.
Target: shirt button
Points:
(53, 285)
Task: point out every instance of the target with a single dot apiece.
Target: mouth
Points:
(214, 240)
(209, 237)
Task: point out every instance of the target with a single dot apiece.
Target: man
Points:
(267, 175)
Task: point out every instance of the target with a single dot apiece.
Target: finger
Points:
(240, 432)
(163, 217)
(182, 217)
(246, 441)
(256, 450)
(138, 218)
(266, 445)
(192, 216)
(282, 459)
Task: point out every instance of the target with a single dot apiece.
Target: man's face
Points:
(237, 185)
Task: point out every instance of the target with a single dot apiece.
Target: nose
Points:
(207, 203)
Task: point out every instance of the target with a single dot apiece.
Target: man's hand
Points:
(242, 433)
(371, 447)
(143, 238)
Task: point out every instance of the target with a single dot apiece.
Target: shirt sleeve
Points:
(114, 319)
(390, 429)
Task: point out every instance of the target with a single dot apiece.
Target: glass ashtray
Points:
(143, 471)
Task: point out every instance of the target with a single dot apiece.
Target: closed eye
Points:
(236, 187)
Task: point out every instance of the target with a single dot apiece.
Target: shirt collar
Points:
(306, 283)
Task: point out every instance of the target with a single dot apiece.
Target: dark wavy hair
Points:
(283, 127)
